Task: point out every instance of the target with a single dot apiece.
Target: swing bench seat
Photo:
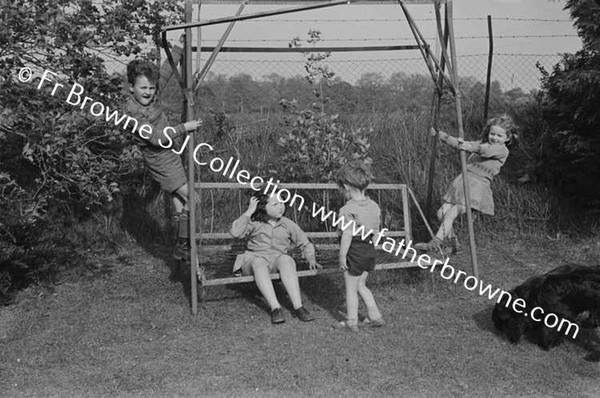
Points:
(221, 248)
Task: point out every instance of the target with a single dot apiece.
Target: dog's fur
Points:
(570, 291)
(575, 297)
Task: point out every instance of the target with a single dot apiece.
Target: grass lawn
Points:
(124, 328)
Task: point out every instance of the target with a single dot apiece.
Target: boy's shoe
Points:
(277, 316)
(344, 325)
(432, 245)
(181, 251)
(303, 314)
(374, 323)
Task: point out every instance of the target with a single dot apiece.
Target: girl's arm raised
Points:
(493, 151)
(242, 225)
(445, 137)
(457, 143)
(470, 146)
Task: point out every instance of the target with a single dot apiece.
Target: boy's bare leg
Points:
(367, 296)
(351, 283)
(180, 198)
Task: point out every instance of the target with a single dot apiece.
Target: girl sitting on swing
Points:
(487, 157)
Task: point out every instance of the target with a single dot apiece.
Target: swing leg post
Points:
(461, 134)
(189, 115)
(436, 103)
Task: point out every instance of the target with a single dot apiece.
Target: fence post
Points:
(489, 68)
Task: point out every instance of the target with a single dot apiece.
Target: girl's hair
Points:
(260, 214)
(140, 67)
(504, 121)
(356, 173)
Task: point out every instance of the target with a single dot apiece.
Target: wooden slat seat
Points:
(221, 248)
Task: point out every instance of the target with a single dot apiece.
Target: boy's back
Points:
(364, 212)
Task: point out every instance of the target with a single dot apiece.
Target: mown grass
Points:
(119, 323)
(128, 331)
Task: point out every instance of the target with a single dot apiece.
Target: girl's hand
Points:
(315, 266)
(252, 206)
(432, 132)
(462, 145)
(343, 265)
(192, 124)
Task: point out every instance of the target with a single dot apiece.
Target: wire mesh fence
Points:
(511, 74)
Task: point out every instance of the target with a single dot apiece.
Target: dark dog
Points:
(570, 291)
(513, 324)
(574, 296)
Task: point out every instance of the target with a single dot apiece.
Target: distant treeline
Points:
(371, 94)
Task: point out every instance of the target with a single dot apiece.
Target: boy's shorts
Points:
(360, 257)
(165, 168)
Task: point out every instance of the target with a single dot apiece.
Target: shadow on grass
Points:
(323, 291)
(483, 320)
(146, 218)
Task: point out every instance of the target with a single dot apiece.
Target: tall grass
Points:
(401, 149)
(401, 152)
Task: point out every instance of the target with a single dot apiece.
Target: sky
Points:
(519, 27)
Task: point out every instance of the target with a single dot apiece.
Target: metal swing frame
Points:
(443, 70)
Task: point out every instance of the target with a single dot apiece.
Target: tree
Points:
(71, 155)
(570, 157)
(58, 160)
(315, 144)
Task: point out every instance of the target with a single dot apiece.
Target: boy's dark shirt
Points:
(153, 115)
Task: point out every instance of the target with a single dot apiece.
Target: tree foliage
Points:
(56, 158)
(586, 18)
(570, 156)
(315, 144)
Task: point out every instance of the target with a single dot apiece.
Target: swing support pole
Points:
(447, 61)
(189, 115)
(213, 56)
(436, 102)
(461, 135)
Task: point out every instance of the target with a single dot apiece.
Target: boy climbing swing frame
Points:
(437, 68)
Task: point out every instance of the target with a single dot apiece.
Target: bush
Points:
(60, 164)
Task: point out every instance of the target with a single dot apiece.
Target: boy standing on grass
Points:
(357, 255)
(165, 166)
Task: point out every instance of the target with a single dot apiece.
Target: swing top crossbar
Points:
(304, 6)
(315, 1)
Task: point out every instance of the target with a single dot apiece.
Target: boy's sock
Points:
(183, 225)
(174, 226)
(182, 242)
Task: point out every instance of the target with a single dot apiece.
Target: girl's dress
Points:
(483, 164)
(268, 242)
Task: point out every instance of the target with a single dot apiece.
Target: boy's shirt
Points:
(154, 116)
(364, 212)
